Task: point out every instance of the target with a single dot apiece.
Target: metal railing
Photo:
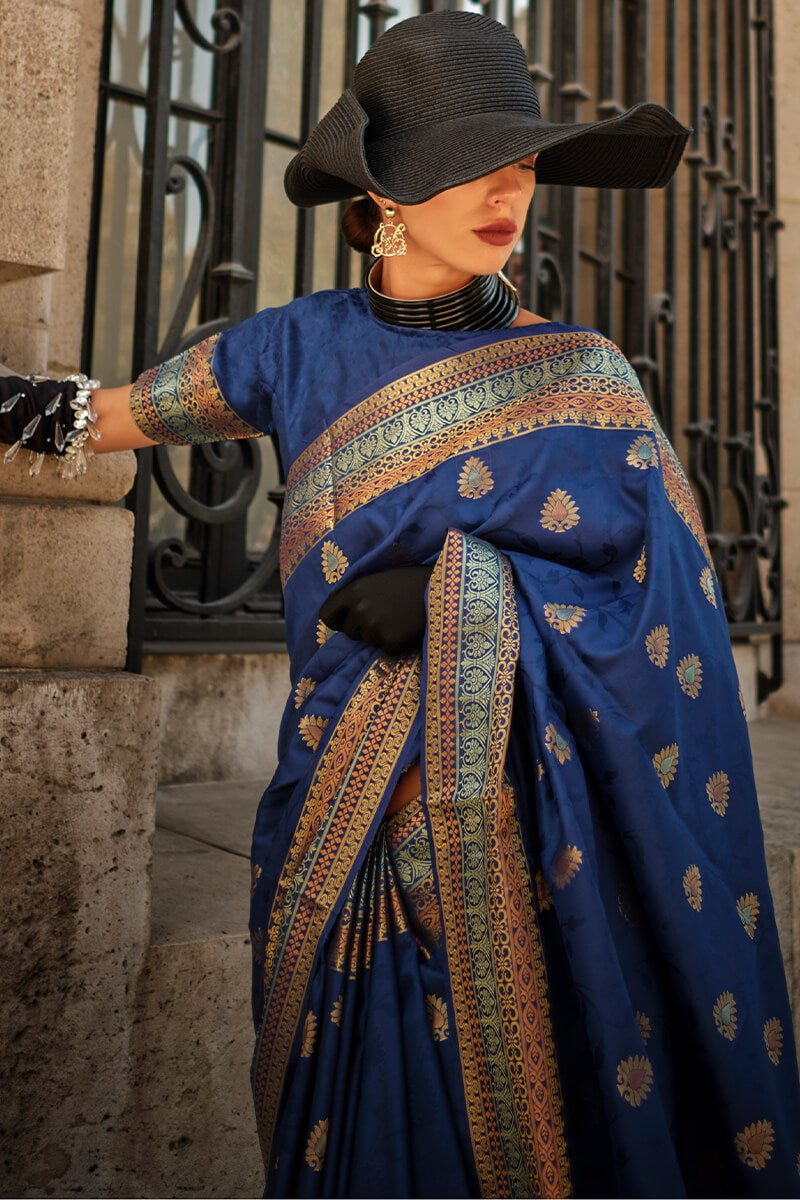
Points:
(683, 280)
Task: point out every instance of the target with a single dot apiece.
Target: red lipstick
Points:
(497, 233)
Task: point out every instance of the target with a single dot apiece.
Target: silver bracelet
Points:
(77, 443)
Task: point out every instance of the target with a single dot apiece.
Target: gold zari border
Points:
(498, 980)
(345, 793)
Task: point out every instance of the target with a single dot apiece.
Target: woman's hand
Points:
(385, 610)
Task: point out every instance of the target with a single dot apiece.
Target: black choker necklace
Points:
(486, 302)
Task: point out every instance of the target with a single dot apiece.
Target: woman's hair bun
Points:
(359, 221)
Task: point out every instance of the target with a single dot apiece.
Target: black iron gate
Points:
(684, 280)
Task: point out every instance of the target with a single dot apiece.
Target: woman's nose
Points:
(504, 185)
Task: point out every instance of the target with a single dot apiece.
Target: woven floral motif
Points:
(437, 1015)
(666, 764)
(324, 633)
(255, 875)
(334, 562)
(690, 675)
(748, 909)
(718, 789)
(563, 617)
(635, 1079)
(642, 453)
(475, 480)
(644, 1025)
(725, 1017)
(556, 744)
(303, 690)
(707, 585)
(311, 729)
(754, 1144)
(317, 1145)
(640, 570)
(559, 512)
(543, 893)
(773, 1040)
(657, 645)
(565, 866)
(336, 1011)
(309, 1035)
(693, 887)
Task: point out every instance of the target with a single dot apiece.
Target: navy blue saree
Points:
(556, 971)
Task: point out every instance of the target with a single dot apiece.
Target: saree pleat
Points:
(556, 972)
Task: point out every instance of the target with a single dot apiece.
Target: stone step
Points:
(201, 873)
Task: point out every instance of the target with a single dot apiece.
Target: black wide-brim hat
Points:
(446, 98)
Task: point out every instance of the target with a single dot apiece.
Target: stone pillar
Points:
(786, 702)
(78, 737)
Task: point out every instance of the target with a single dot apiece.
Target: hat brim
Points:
(639, 148)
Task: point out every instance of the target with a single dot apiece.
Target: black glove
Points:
(385, 610)
(22, 401)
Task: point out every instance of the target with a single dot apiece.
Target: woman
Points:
(510, 917)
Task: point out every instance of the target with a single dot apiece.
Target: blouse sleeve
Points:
(214, 391)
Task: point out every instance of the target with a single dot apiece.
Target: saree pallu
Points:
(557, 971)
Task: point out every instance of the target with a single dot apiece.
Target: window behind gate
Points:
(201, 110)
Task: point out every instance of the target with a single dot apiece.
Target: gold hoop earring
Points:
(389, 240)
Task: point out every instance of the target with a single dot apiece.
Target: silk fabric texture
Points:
(558, 971)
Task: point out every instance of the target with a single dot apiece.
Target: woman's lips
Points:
(499, 233)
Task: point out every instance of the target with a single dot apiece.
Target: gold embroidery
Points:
(773, 1040)
(563, 617)
(437, 1015)
(334, 563)
(635, 1079)
(475, 480)
(556, 744)
(754, 1144)
(693, 887)
(566, 865)
(725, 1017)
(707, 585)
(718, 791)
(640, 570)
(642, 453)
(690, 675)
(511, 1085)
(748, 909)
(311, 729)
(352, 774)
(679, 494)
(180, 401)
(543, 893)
(657, 645)
(303, 690)
(309, 1035)
(324, 633)
(317, 1145)
(559, 512)
(666, 764)
(336, 1011)
(466, 403)
(645, 1027)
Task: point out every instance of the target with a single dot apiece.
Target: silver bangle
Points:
(77, 448)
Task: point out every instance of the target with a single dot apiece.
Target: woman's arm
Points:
(115, 424)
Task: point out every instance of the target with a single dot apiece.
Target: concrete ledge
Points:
(65, 574)
(220, 714)
(190, 1130)
(78, 762)
(109, 478)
